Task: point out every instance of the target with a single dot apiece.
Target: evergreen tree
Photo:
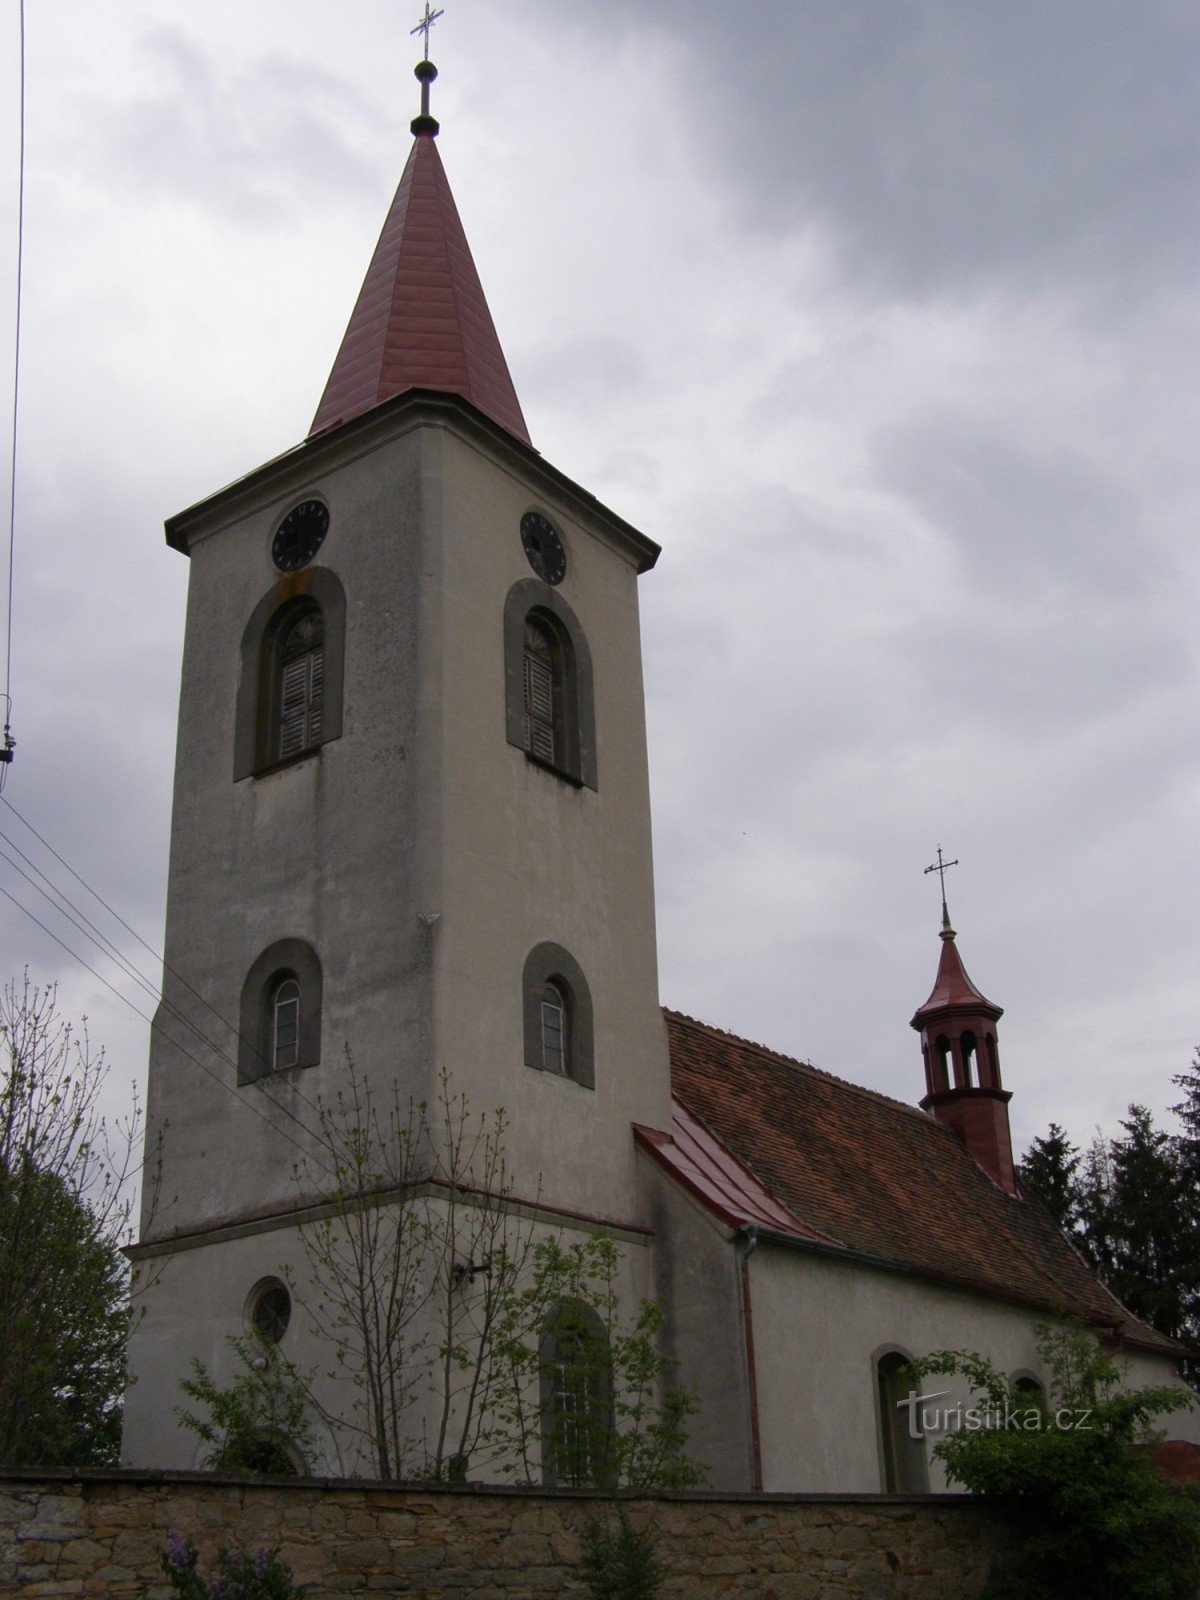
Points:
(1050, 1169)
(64, 1284)
(1129, 1204)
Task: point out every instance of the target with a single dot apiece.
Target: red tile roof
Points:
(876, 1177)
(421, 320)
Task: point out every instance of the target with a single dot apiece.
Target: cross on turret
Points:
(941, 866)
(426, 22)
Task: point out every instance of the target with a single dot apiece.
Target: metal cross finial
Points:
(940, 866)
(426, 22)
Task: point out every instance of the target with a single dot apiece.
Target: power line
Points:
(9, 743)
(154, 988)
(208, 1071)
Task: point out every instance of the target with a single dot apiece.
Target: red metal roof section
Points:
(421, 320)
(720, 1182)
(878, 1177)
(952, 987)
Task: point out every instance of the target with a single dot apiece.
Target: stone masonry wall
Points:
(96, 1533)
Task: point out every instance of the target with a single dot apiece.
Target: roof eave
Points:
(413, 407)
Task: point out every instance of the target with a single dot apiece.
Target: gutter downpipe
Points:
(749, 1234)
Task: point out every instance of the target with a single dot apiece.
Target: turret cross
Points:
(940, 866)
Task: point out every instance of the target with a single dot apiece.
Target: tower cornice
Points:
(415, 408)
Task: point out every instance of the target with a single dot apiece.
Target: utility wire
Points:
(99, 898)
(250, 1106)
(109, 949)
(6, 749)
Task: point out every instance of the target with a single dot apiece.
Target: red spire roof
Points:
(952, 987)
(421, 320)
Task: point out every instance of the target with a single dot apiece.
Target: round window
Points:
(269, 1310)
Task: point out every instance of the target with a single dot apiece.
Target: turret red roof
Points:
(421, 320)
(952, 987)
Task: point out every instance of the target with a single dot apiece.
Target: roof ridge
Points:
(804, 1066)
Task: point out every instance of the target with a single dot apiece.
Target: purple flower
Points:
(179, 1552)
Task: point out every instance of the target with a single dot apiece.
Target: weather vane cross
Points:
(426, 22)
(940, 866)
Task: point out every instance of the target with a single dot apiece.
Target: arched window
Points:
(289, 699)
(993, 1060)
(299, 684)
(1030, 1390)
(969, 1060)
(539, 693)
(285, 1022)
(556, 1052)
(557, 1013)
(945, 1064)
(576, 1389)
(280, 1011)
(901, 1443)
(548, 699)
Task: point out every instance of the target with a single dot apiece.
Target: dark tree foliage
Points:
(1050, 1167)
(64, 1287)
(1130, 1205)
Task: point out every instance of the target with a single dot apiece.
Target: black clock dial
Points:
(543, 547)
(299, 535)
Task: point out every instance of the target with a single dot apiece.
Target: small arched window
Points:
(945, 1064)
(285, 1022)
(901, 1441)
(969, 1060)
(280, 1011)
(576, 1385)
(557, 1015)
(555, 1029)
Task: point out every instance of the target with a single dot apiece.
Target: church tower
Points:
(411, 815)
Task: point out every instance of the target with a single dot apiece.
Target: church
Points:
(412, 822)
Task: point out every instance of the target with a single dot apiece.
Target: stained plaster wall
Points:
(821, 1324)
(194, 1300)
(420, 854)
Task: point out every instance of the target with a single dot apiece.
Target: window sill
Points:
(552, 767)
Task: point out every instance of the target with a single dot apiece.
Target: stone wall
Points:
(103, 1533)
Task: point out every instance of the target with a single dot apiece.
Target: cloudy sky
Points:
(880, 317)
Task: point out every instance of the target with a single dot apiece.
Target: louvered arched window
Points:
(539, 693)
(301, 684)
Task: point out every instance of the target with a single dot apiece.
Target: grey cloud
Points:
(946, 142)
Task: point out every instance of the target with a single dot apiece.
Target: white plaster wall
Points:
(698, 1279)
(420, 854)
(190, 1304)
(819, 1327)
(528, 857)
(324, 849)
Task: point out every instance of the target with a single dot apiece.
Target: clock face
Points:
(299, 535)
(543, 547)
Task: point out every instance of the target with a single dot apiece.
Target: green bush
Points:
(1089, 1513)
(259, 1421)
(619, 1562)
